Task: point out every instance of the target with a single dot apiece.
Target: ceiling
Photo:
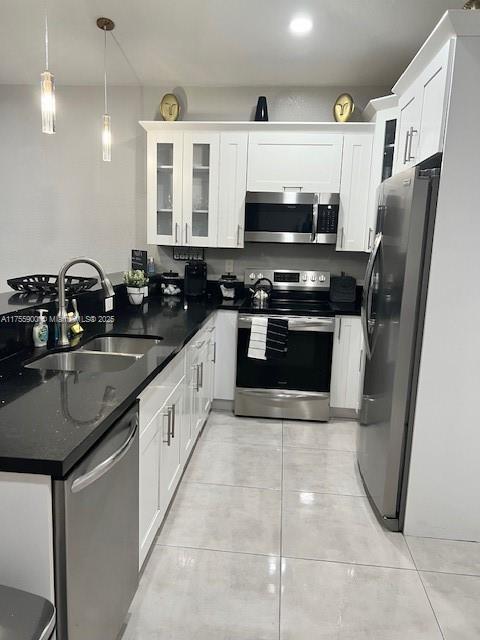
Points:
(217, 42)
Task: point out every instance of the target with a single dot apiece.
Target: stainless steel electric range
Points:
(297, 385)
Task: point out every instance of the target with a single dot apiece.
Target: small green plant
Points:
(135, 278)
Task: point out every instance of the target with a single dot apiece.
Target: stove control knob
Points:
(321, 278)
(252, 276)
(313, 278)
(304, 277)
(260, 276)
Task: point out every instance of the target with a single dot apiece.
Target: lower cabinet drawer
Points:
(160, 388)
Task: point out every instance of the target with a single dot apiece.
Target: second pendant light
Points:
(106, 25)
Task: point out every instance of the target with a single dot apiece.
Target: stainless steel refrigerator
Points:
(393, 308)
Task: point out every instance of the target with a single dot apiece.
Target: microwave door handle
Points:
(314, 222)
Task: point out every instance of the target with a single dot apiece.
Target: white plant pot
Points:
(145, 291)
(135, 295)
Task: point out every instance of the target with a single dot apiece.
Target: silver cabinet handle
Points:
(361, 358)
(172, 413)
(405, 151)
(186, 232)
(412, 133)
(214, 352)
(370, 236)
(238, 234)
(169, 435)
(197, 367)
(201, 375)
(101, 469)
(285, 188)
(176, 232)
(342, 237)
(339, 328)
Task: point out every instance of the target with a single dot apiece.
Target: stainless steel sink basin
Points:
(121, 345)
(84, 361)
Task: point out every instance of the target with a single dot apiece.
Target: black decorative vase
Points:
(261, 114)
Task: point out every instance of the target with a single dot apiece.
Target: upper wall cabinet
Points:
(354, 193)
(423, 109)
(201, 166)
(164, 187)
(233, 185)
(190, 176)
(290, 161)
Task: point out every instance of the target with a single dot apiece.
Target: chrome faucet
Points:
(62, 315)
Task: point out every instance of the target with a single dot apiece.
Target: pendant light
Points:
(47, 87)
(106, 25)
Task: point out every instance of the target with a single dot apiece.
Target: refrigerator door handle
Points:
(366, 292)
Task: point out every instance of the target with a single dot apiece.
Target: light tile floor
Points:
(270, 536)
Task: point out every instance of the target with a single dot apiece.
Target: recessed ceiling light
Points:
(301, 25)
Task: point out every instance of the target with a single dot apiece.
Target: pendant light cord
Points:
(46, 38)
(105, 69)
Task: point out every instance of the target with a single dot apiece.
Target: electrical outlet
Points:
(108, 304)
(229, 266)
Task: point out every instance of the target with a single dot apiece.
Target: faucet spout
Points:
(62, 316)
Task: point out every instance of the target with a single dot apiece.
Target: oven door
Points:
(280, 217)
(296, 386)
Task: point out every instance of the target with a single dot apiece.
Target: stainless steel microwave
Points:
(291, 216)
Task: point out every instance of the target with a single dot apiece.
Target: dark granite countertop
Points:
(49, 419)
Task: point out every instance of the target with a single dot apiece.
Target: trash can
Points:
(25, 616)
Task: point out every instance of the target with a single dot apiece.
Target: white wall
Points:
(307, 104)
(444, 480)
(58, 199)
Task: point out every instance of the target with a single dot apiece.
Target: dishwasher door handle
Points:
(101, 469)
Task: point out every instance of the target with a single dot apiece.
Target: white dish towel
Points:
(258, 338)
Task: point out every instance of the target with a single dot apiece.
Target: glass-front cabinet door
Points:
(200, 188)
(164, 188)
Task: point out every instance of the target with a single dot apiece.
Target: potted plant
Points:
(136, 282)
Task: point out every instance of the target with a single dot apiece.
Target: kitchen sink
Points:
(129, 345)
(85, 361)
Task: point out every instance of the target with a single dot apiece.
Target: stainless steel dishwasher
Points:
(96, 536)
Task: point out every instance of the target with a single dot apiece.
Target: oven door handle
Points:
(295, 323)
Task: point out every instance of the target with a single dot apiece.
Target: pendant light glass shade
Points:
(47, 89)
(106, 139)
(48, 102)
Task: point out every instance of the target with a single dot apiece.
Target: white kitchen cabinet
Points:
(348, 363)
(201, 164)
(410, 111)
(226, 354)
(384, 113)
(294, 161)
(208, 371)
(423, 110)
(150, 515)
(434, 86)
(170, 419)
(232, 188)
(354, 192)
(164, 187)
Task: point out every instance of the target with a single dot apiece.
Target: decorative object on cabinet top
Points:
(170, 107)
(472, 4)
(261, 113)
(343, 108)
